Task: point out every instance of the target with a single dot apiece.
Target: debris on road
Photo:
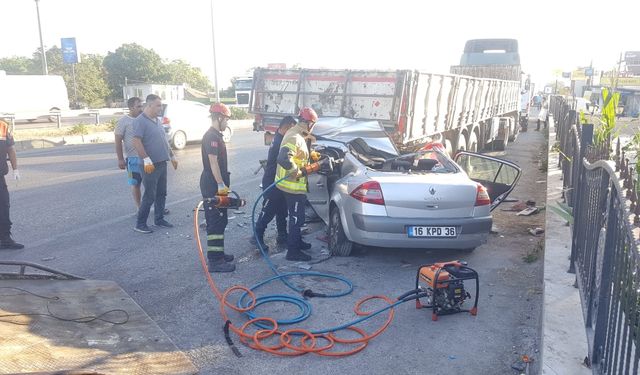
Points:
(528, 211)
(535, 231)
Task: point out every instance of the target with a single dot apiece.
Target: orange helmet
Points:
(220, 108)
(307, 114)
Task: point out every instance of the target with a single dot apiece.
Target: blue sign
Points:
(588, 72)
(69, 51)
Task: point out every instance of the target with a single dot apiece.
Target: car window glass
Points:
(479, 168)
(507, 175)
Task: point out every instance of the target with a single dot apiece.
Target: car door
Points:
(499, 176)
(318, 195)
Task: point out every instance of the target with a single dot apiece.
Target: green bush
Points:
(239, 113)
(111, 125)
(80, 129)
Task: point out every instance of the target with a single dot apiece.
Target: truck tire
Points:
(462, 142)
(501, 144)
(339, 244)
(472, 143)
(179, 140)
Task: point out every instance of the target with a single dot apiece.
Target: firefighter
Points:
(274, 203)
(215, 180)
(293, 162)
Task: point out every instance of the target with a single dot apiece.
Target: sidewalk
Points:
(564, 343)
(97, 137)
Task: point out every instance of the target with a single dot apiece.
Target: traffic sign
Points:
(70, 53)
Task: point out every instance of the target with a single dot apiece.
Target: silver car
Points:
(376, 197)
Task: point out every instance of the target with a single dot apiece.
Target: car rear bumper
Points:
(392, 232)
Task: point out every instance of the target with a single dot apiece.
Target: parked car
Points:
(376, 197)
(186, 121)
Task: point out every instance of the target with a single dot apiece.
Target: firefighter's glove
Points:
(148, 166)
(223, 189)
(174, 162)
(315, 156)
(16, 175)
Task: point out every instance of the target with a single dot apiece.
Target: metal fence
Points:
(604, 250)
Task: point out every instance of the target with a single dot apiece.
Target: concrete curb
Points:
(99, 137)
(564, 337)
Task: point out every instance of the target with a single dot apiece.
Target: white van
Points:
(29, 97)
(185, 121)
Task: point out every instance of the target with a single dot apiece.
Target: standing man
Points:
(151, 143)
(274, 203)
(293, 157)
(124, 133)
(215, 180)
(7, 149)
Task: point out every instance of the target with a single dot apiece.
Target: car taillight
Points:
(482, 196)
(369, 192)
(166, 121)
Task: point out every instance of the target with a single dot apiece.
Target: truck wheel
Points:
(462, 142)
(472, 143)
(338, 243)
(179, 140)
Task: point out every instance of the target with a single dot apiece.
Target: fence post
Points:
(586, 139)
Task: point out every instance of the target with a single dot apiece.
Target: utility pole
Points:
(215, 68)
(45, 70)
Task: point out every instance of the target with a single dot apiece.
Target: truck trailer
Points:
(465, 110)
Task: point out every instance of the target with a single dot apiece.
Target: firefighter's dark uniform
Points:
(274, 203)
(292, 157)
(6, 142)
(212, 144)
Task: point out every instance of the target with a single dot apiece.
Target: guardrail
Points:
(604, 248)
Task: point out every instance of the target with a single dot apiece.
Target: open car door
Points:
(497, 175)
(318, 195)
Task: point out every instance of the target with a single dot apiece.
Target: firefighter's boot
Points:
(282, 238)
(297, 255)
(6, 242)
(218, 263)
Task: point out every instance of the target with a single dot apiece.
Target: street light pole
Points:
(45, 70)
(215, 68)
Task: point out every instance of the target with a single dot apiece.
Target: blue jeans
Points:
(155, 192)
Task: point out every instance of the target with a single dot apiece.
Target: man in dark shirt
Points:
(274, 203)
(215, 180)
(151, 143)
(6, 149)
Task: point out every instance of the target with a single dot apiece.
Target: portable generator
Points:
(443, 288)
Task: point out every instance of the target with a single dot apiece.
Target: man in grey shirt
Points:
(124, 134)
(151, 143)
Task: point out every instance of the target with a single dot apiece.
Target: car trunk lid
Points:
(429, 195)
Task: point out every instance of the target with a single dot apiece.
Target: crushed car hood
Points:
(343, 130)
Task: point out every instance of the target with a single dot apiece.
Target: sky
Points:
(341, 34)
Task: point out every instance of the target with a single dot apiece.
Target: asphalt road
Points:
(74, 212)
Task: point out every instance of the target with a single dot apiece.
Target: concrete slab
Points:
(564, 334)
(122, 340)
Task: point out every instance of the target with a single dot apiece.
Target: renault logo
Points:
(432, 191)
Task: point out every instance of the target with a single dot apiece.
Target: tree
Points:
(17, 65)
(91, 82)
(134, 62)
(178, 72)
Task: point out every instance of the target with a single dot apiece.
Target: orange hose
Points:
(308, 341)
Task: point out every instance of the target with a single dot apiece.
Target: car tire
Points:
(179, 140)
(339, 244)
(53, 118)
(469, 250)
(226, 134)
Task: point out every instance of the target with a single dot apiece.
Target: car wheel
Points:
(338, 243)
(53, 118)
(179, 140)
(226, 135)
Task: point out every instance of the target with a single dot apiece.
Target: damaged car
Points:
(375, 196)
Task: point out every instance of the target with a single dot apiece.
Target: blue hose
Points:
(303, 305)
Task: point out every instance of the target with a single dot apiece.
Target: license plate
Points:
(420, 231)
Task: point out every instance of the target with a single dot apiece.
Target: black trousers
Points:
(216, 223)
(295, 206)
(5, 222)
(273, 205)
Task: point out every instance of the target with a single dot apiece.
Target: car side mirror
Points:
(499, 176)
